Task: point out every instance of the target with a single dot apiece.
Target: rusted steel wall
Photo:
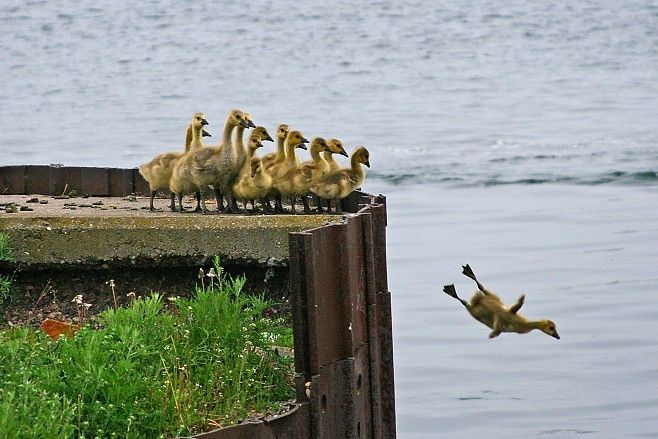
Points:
(57, 180)
(342, 325)
(294, 424)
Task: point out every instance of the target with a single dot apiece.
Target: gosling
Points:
(487, 308)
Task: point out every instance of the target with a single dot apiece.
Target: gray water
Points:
(518, 137)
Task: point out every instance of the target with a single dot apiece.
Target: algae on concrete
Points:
(49, 242)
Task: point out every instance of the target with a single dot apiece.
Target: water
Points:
(518, 138)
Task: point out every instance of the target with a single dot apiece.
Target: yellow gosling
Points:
(275, 158)
(239, 160)
(158, 171)
(294, 140)
(279, 156)
(297, 181)
(336, 147)
(340, 184)
(211, 166)
(487, 308)
(255, 185)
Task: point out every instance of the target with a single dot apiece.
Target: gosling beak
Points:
(204, 122)
(251, 124)
(556, 335)
(367, 163)
(343, 152)
(244, 124)
(269, 138)
(259, 145)
(205, 133)
(304, 140)
(301, 145)
(253, 172)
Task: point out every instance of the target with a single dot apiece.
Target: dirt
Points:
(39, 295)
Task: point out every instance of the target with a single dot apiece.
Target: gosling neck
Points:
(356, 165)
(315, 154)
(196, 138)
(239, 143)
(188, 137)
(534, 324)
(228, 129)
(280, 148)
(251, 152)
(290, 153)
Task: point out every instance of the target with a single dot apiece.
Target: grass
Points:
(6, 255)
(146, 371)
(5, 289)
(6, 252)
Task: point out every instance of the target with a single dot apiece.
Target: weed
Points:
(6, 252)
(5, 288)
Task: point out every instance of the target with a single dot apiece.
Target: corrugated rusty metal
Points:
(57, 180)
(120, 182)
(12, 180)
(82, 180)
(347, 310)
(291, 425)
(298, 246)
(40, 179)
(140, 186)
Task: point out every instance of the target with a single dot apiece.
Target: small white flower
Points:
(77, 299)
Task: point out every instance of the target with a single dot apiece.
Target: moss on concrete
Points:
(48, 242)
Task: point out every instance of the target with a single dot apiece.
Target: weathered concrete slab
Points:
(115, 232)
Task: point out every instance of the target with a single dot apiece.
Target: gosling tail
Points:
(450, 291)
(468, 272)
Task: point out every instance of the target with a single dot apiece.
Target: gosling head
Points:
(549, 328)
(336, 147)
(254, 165)
(261, 133)
(318, 144)
(254, 144)
(199, 120)
(237, 117)
(361, 155)
(282, 131)
(247, 118)
(297, 139)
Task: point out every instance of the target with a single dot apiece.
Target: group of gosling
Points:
(235, 173)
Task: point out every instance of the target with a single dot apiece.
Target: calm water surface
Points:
(520, 138)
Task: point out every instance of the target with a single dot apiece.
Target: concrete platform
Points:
(114, 232)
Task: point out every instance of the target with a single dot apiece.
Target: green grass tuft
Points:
(5, 288)
(6, 252)
(148, 372)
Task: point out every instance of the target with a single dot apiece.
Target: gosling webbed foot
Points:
(468, 272)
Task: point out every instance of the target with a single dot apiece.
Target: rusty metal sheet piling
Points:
(347, 345)
(57, 180)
